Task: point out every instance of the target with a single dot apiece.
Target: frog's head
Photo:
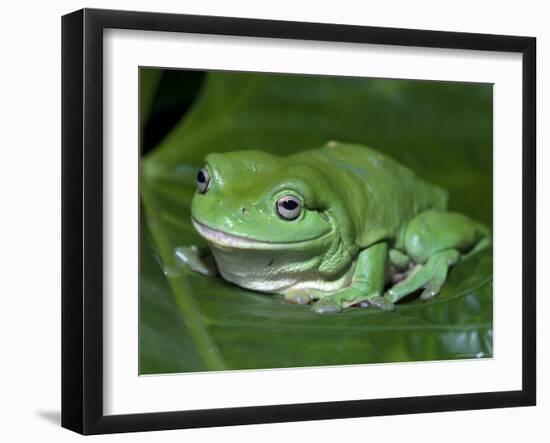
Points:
(256, 200)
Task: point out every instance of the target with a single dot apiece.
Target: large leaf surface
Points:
(440, 130)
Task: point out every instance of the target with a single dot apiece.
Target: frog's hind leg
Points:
(435, 240)
(429, 276)
(400, 265)
(485, 242)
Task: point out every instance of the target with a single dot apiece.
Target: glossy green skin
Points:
(365, 218)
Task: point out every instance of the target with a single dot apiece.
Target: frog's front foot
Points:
(327, 305)
(382, 303)
(300, 296)
(334, 303)
(197, 259)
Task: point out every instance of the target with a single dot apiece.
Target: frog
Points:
(339, 226)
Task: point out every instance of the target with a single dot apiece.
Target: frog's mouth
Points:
(224, 240)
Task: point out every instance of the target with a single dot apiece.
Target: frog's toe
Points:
(299, 297)
(327, 306)
(196, 260)
(382, 303)
(429, 293)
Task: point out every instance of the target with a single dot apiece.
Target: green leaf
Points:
(164, 340)
(149, 80)
(443, 131)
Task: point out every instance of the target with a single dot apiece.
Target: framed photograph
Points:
(269, 221)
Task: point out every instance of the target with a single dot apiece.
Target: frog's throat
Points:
(223, 239)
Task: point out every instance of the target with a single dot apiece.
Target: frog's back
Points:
(380, 194)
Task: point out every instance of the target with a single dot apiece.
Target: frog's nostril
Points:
(244, 211)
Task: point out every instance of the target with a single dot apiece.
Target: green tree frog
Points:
(338, 226)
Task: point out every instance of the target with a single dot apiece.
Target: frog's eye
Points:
(203, 181)
(289, 207)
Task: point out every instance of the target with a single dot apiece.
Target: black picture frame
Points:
(82, 220)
